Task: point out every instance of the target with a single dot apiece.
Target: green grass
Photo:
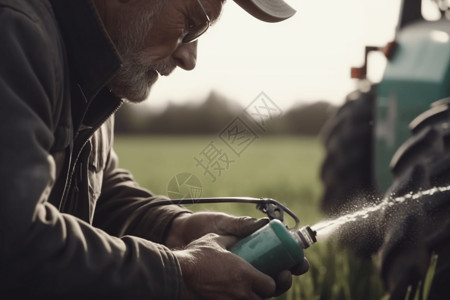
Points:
(283, 168)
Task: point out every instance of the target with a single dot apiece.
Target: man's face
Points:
(149, 39)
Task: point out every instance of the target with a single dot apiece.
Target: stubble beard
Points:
(137, 75)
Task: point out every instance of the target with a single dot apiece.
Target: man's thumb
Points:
(243, 226)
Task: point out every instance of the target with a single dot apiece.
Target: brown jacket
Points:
(72, 225)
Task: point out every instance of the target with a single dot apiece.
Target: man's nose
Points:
(186, 56)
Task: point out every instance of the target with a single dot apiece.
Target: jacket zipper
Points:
(72, 166)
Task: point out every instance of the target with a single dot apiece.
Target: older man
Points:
(73, 225)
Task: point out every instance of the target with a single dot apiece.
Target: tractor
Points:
(393, 138)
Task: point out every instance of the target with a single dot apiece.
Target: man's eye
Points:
(190, 24)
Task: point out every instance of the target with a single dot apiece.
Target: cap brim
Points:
(267, 10)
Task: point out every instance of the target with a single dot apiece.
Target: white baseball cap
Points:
(267, 10)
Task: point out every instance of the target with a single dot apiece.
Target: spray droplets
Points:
(327, 228)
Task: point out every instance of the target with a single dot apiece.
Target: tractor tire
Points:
(347, 170)
(419, 226)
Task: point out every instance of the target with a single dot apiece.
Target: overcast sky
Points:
(305, 58)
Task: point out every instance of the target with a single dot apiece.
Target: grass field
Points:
(283, 168)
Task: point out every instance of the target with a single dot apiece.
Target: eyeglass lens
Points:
(197, 31)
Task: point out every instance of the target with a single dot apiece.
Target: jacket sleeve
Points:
(44, 253)
(122, 207)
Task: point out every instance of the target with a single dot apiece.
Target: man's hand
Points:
(211, 272)
(189, 227)
(284, 278)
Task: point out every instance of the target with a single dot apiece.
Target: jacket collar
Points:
(93, 58)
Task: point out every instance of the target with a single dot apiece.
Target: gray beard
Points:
(134, 80)
(136, 76)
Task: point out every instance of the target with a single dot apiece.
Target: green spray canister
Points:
(274, 248)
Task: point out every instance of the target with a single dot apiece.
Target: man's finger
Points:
(283, 281)
(301, 268)
(241, 226)
(263, 285)
(226, 241)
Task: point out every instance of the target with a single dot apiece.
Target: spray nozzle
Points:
(307, 236)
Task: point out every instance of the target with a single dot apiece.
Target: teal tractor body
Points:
(417, 74)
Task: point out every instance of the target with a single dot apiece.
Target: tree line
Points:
(214, 114)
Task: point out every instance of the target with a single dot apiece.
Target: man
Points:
(73, 225)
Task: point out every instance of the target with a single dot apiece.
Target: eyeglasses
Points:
(194, 32)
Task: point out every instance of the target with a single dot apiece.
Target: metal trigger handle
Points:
(272, 208)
